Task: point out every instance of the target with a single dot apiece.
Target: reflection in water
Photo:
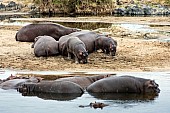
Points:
(54, 96)
(86, 25)
(124, 96)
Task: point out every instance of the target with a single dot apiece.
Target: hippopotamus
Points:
(107, 44)
(29, 32)
(15, 83)
(45, 46)
(87, 37)
(124, 84)
(95, 105)
(51, 87)
(84, 81)
(77, 48)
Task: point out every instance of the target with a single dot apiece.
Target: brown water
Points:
(13, 102)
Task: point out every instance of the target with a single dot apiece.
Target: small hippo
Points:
(124, 84)
(77, 48)
(84, 81)
(51, 87)
(45, 46)
(29, 32)
(107, 44)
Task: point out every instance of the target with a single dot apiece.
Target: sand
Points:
(134, 53)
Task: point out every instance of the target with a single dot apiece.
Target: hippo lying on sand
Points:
(124, 84)
(29, 32)
(84, 81)
(51, 87)
(77, 48)
(45, 46)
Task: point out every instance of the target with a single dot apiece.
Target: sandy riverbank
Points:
(133, 52)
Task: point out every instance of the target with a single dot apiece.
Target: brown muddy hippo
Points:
(45, 46)
(51, 87)
(84, 81)
(29, 32)
(15, 83)
(77, 48)
(124, 84)
(87, 37)
(107, 44)
(95, 105)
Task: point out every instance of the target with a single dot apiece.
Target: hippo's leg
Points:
(76, 60)
(69, 55)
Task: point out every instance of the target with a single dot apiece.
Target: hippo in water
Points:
(15, 83)
(45, 46)
(95, 105)
(84, 81)
(124, 84)
(107, 44)
(29, 32)
(51, 87)
(77, 48)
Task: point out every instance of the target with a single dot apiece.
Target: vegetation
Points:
(85, 6)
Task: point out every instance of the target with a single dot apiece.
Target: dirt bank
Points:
(133, 53)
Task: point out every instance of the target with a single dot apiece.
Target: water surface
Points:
(12, 101)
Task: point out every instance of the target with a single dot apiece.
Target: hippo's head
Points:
(151, 87)
(82, 56)
(35, 40)
(112, 47)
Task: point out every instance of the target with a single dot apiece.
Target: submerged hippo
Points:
(29, 32)
(77, 48)
(15, 83)
(45, 46)
(84, 81)
(51, 87)
(95, 105)
(107, 44)
(124, 84)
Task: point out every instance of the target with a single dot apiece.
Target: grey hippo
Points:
(124, 84)
(92, 40)
(29, 32)
(15, 83)
(84, 81)
(107, 44)
(45, 46)
(58, 87)
(77, 49)
(87, 37)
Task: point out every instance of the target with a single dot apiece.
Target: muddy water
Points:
(13, 102)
